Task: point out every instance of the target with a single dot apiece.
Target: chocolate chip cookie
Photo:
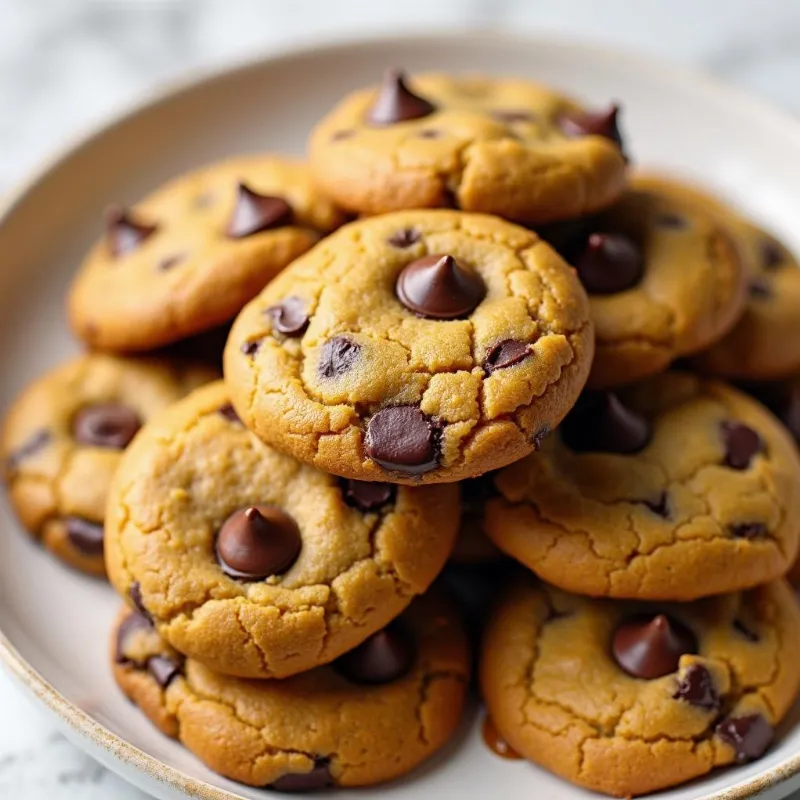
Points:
(627, 698)
(496, 145)
(416, 347)
(63, 438)
(378, 711)
(254, 564)
(189, 256)
(672, 489)
(664, 277)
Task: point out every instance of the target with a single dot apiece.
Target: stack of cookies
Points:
(494, 335)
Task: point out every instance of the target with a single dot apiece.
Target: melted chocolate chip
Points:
(395, 102)
(168, 262)
(696, 687)
(651, 647)
(367, 496)
(512, 115)
(403, 439)
(85, 536)
(749, 736)
(32, 445)
(318, 778)
(229, 412)
(129, 626)
(539, 435)
(250, 348)
(772, 254)
(384, 657)
(593, 123)
(289, 318)
(256, 542)
(505, 354)
(405, 237)
(659, 506)
(163, 669)
(668, 219)
(759, 288)
(108, 425)
(601, 423)
(124, 233)
(135, 593)
(337, 357)
(438, 287)
(256, 212)
(748, 634)
(749, 530)
(741, 444)
(609, 264)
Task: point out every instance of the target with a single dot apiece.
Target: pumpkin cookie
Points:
(189, 256)
(257, 565)
(672, 489)
(63, 438)
(417, 347)
(496, 145)
(628, 698)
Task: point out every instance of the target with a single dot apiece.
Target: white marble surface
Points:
(65, 64)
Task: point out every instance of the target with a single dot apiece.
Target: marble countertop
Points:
(67, 64)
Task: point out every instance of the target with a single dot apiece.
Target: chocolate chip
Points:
(772, 254)
(749, 736)
(384, 657)
(318, 778)
(337, 357)
(250, 348)
(668, 219)
(169, 262)
(593, 123)
(396, 102)
(163, 669)
(659, 506)
(651, 647)
(741, 444)
(601, 423)
(539, 435)
(438, 287)
(505, 354)
(256, 542)
(748, 634)
(32, 445)
(85, 536)
(135, 593)
(429, 133)
(696, 687)
(132, 624)
(289, 318)
(367, 495)
(759, 288)
(512, 115)
(124, 233)
(229, 412)
(110, 425)
(609, 264)
(256, 212)
(404, 439)
(749, 530)
(346, 133)
(405, 237)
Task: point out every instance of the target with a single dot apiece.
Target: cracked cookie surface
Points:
(708, 503)
(721, 677)
(331, 366)
(188, 257)
(351, 556)
(367, 728)
(64, 436)
(498, 146)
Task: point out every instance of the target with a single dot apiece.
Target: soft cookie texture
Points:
(672, 489)
(500, 146)
(63, 438)
(664, 275)
(189, 256)
(416, 347)
(627, 698)
(254, 564)
(374, 715)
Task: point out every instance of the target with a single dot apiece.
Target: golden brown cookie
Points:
(190, 255)
(374, 714)
(672, 489)
(416, 347)
(497, 145)
(627, 698)
(254, 564)
(664, 278)
(63, 438)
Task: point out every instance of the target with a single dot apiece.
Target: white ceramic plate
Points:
(55, 622)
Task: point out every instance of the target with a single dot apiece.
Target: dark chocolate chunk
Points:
(659, 506)
(289, 318)
(696, 687)
(505, 354)
(129, 626)
(256, 542)
(748, 633)
(438, 287)
(741, 444)
(367, 496)
(749, 736)
(256, 212)
(609, 264)
(163, 669)
(405, 237)
(337, 357)
(395, 102)
(601, 423)
(318, 778)
(135, 593)
(124, 233)
(651, 647)
(229, 412)
(386, 656)
(250, 348)
(110, 425)
(85, 536)
(593, 123)
(404, 439)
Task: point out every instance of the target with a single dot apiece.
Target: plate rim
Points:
(29, 679)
